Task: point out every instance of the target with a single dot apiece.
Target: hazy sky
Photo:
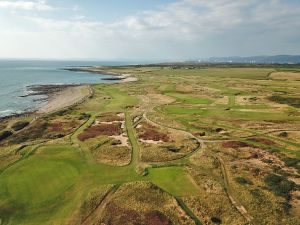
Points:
(148, 29)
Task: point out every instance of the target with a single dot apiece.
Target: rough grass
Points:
(143, 203)
(112, 154)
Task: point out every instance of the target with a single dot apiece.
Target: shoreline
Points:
(101, 70)
(59, 97)
(65, 98)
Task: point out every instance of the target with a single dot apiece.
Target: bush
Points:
(283, 134)
(293, 162)
(242, 180)
(216, 220)
(173, 149)
(19, 125)
(116, 142)
(279, 185)
(84, 116)
(295, 102)
(5, 134)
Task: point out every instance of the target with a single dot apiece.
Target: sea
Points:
(17, 75)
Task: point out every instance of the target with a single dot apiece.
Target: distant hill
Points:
(281, 59)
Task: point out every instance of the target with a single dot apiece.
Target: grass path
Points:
(231, 101)
(97, 213)
(188, 211)
(135, 157)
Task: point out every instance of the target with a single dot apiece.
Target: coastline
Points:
(59, 97)
(64, 98)
(73, 94)
(101, 70)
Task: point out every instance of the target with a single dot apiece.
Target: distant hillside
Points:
(281, 59)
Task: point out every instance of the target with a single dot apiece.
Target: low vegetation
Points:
(19, 125)
(292, 101)
(101, 129)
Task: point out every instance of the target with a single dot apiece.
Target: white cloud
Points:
(186, 28)
(40, 5)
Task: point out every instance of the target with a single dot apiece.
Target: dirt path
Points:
(95, 216)
(235, 203)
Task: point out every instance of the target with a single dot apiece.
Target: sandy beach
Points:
(70, 95)
(65, 98)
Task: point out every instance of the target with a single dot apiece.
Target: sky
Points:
(148, 30)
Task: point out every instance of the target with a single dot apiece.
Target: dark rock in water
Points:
(47, 89)
(113, 78)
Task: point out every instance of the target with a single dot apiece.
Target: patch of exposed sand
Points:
(121, 115)
(151, 141)
(65, 98)
(97, 122)
(123, 139)
(127, 78)
(223, 100)
(246, 100)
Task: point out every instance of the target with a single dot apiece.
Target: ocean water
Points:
(16, 75)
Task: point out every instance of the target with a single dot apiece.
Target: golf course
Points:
(183, 144)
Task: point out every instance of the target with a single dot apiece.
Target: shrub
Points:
(262, 141)
(295, 102)
(279, 185)
(19, 125)
(84, 116)
(219, 129)
(283, 134)
(101, 129)
(116, 142)
(242, 180)
(234, 144)
(5, 134)
(173, 149)
(216, 220)
(157, 218)
(293, 162)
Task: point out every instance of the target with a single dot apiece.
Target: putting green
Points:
(40, 179)
(189, 99)
(174, 180)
